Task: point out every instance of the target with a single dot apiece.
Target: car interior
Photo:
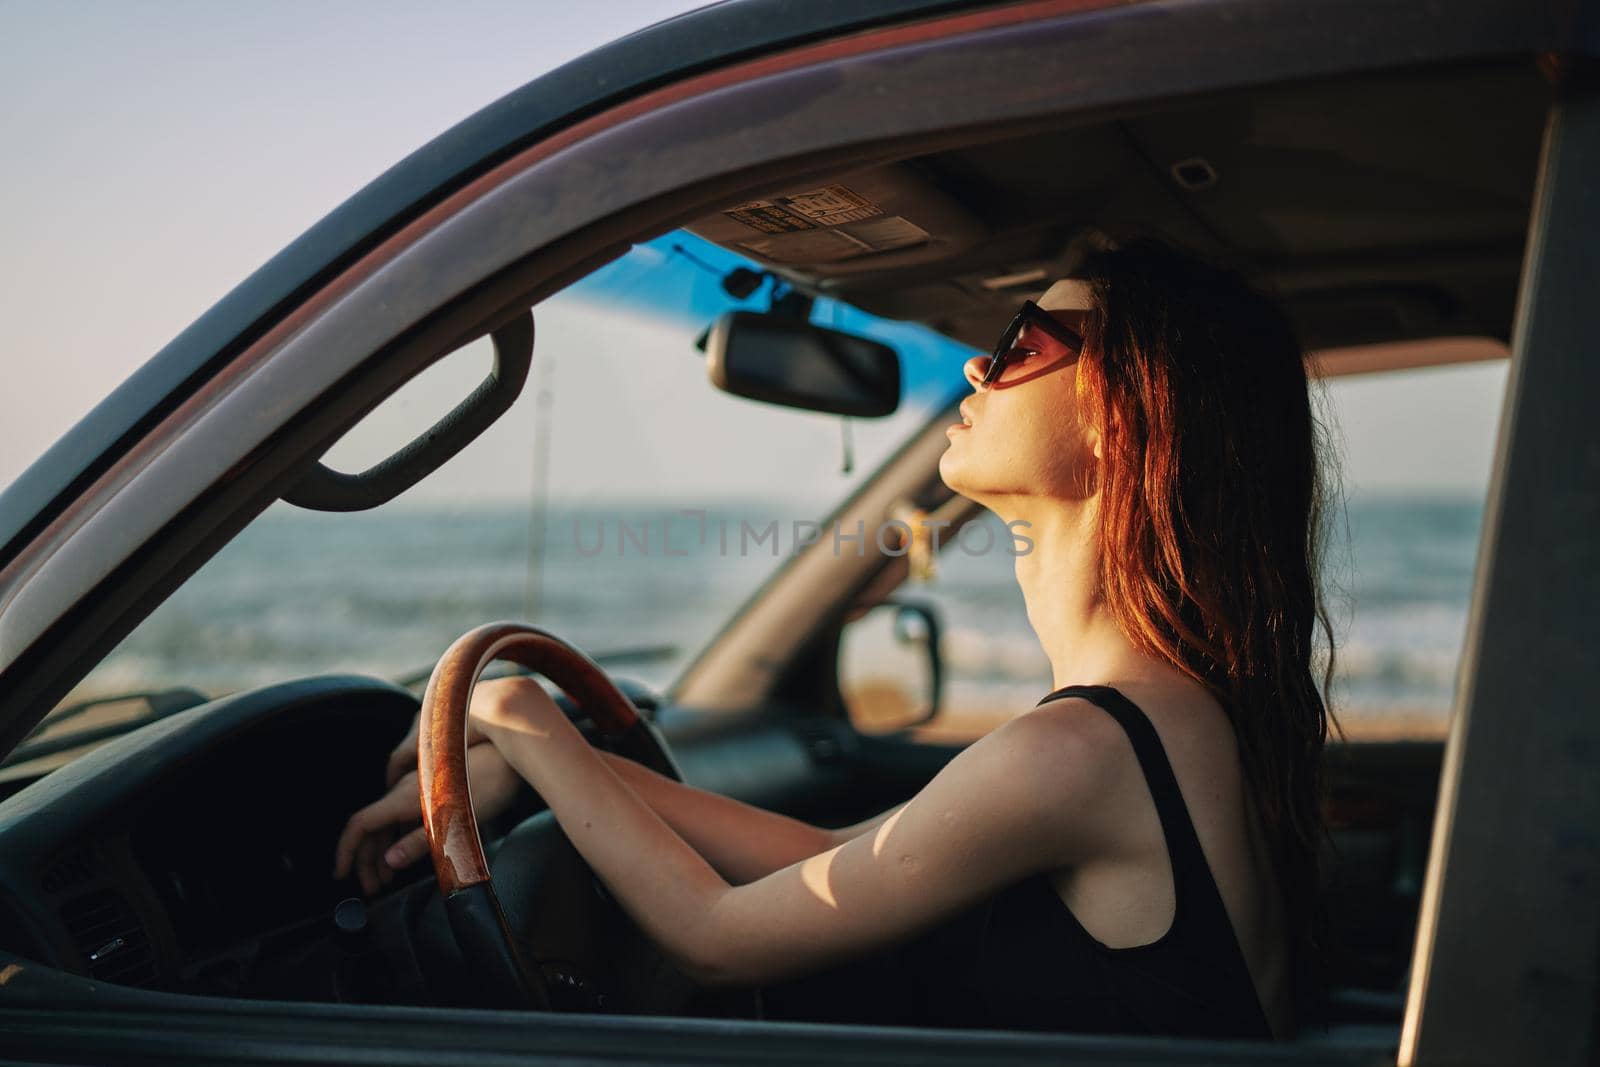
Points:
(139, 859)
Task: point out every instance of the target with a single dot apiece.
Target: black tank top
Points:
(1020, 960)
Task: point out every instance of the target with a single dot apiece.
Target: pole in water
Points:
(544, 407)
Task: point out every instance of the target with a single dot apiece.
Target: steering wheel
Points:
(507, 975)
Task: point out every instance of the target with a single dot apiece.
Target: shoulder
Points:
(1053, 766)
(1071, 735)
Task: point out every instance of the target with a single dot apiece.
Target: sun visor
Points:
(867, 220)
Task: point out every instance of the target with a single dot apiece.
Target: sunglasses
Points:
(1014, 357)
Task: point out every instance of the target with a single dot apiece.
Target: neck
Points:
(1060, 580)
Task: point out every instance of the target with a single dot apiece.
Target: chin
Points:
(950, 471)
(957, 480)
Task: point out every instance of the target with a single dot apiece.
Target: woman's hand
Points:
(403, 759)
(387, 835)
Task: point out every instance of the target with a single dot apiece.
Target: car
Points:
(870, 188)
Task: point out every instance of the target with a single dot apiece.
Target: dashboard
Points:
(194, 855)
(173, 857)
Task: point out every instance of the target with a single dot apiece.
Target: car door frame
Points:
(1504, 969)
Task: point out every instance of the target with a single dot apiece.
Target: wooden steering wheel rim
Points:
(447, 816)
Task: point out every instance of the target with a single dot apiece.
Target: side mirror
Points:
(889, 667)
(799, 365)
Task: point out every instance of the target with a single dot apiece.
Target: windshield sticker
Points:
(832, 205)
(768, 217)
(830, 246)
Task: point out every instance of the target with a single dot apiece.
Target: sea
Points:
(642, 586)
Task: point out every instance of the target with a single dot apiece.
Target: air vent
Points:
(107, 933)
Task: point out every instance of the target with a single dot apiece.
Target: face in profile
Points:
(1024, 434)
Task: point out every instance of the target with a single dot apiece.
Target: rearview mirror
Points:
(801, 365)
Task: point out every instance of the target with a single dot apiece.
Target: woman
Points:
(1135, 853)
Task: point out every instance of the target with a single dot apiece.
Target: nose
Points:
(974, 369)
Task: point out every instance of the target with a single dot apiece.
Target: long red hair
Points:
(1213, 491)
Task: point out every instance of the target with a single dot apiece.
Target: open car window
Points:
(623, 502)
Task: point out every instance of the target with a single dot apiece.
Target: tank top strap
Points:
(1193, 884)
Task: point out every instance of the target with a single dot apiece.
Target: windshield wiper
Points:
(159, 703)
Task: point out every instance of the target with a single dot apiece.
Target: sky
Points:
(158, 153)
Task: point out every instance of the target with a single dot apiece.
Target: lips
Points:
(966, 415)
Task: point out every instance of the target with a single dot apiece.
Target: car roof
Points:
(1383, 206)
(662, 52)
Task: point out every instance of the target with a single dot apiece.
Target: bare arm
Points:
(983, 822)
(740, 841)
